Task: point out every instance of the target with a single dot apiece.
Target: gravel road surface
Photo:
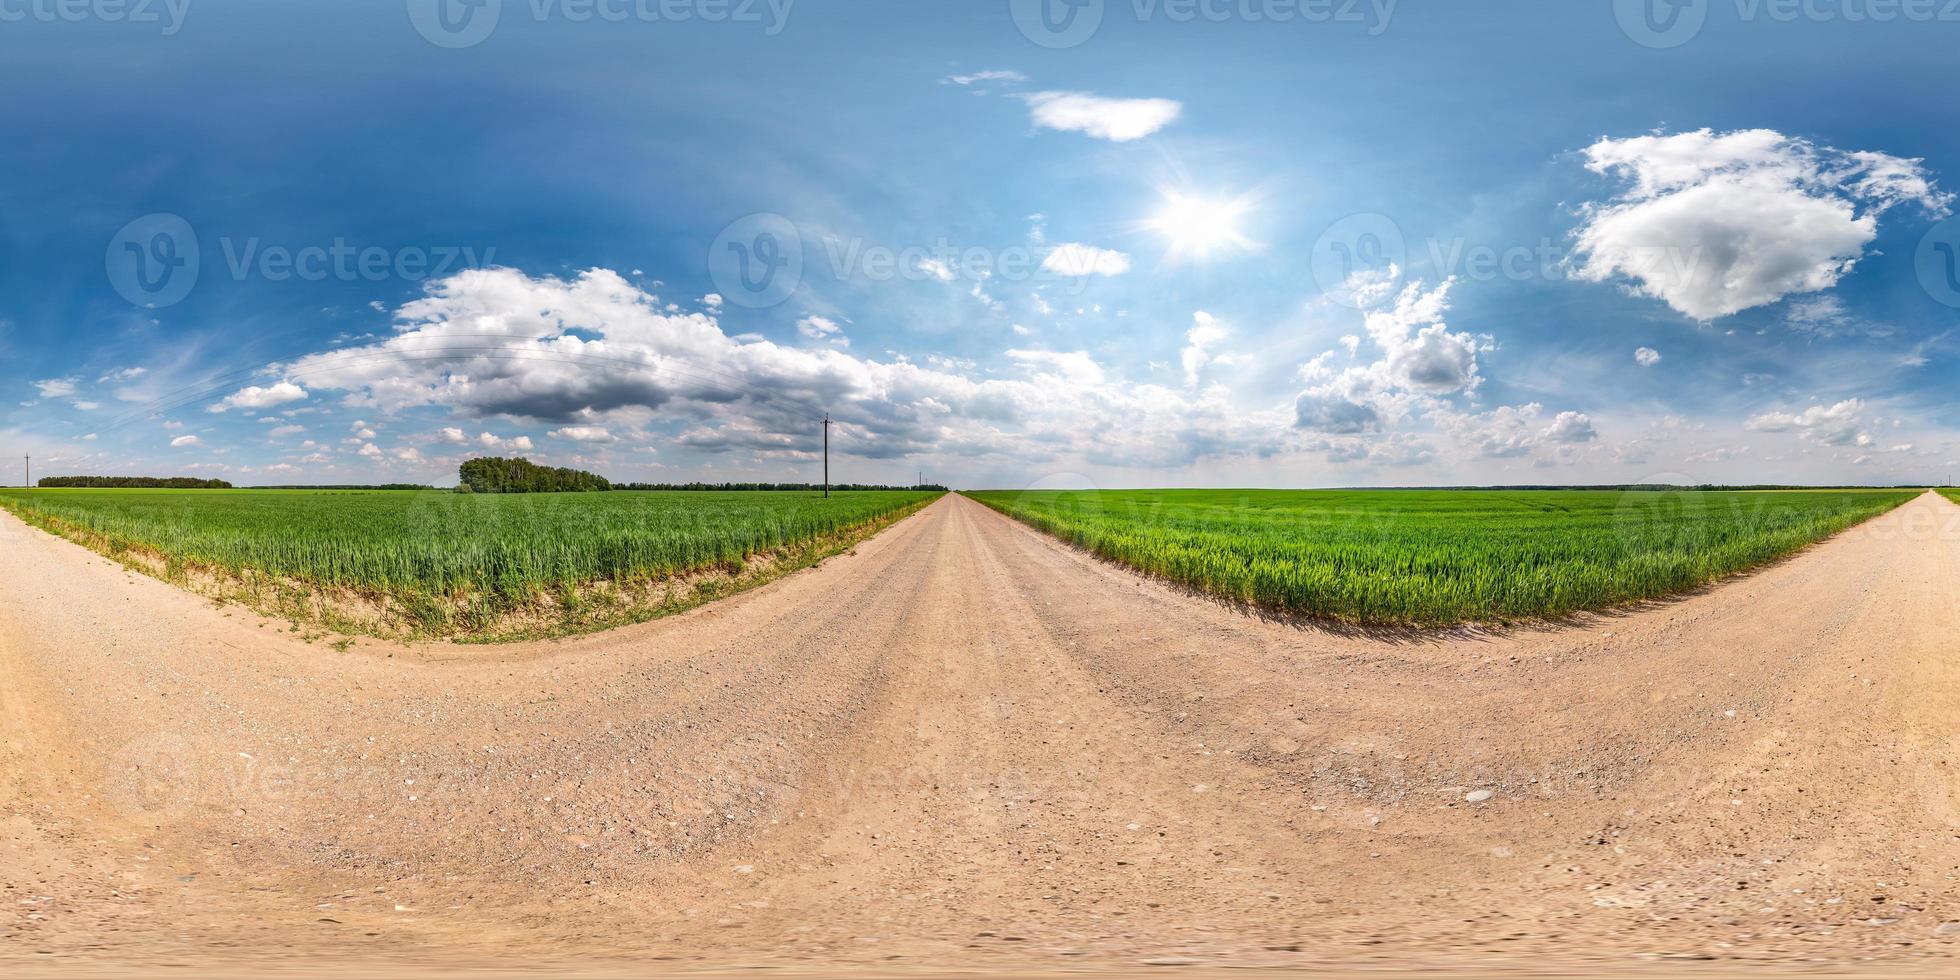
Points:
(966, 746)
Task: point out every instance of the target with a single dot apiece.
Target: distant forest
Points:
(133, 482)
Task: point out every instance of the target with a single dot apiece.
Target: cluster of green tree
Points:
(494, 474)
(133, 482)
(768, 486)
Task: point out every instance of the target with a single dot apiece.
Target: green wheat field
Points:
(444, 563)
(1441, 557)
(453, 562)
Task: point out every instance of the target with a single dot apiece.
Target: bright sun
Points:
(1198, 226)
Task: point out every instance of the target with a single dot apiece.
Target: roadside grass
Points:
(1429, 558)
(471, 567)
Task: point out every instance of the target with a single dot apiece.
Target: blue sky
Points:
(1343, 244)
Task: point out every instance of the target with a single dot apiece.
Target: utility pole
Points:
(826, 454)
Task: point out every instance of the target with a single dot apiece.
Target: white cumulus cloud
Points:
(1421, 362)
(597, 349)
(1421, 351)
(1077, 260)
(1510, 431)
(256, 397)
(822, 328)
(490, 440)
(583, 433)
(1713, 224)
(1205, 333)
(1570, 427)
(1839, 424)
(1119, 120)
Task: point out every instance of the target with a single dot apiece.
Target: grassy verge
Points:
(1441, 557)
(413, 566)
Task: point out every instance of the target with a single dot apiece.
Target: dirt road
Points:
(968, 746)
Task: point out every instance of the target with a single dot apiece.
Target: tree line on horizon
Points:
(496, 474)
(493, 474)
(130, 483)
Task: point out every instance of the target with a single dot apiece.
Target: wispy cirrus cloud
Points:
(979, 77)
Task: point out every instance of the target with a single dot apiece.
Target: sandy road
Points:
(967, 746)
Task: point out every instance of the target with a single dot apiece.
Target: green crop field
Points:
(440, 562)
(1438, 557)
